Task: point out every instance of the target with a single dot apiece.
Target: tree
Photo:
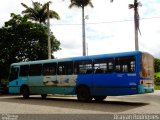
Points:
(39, 12)
(82, 4)
(22, 40)
(135, 6)
(157, 65)
(136, 21)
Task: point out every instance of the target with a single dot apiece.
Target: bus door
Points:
(23, 74)
(13, 79)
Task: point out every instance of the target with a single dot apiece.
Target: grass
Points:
(157, 74)
(4, 81)
(157, 87)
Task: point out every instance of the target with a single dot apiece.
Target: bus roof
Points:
(90, 57)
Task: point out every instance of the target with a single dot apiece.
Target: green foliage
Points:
(157, 87)
(157, 74)
(80, 3)
(39, 12)
(23, 40)
(157, 65)
(4, 81)
(157, 81)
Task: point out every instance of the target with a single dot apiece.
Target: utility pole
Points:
(49, 41)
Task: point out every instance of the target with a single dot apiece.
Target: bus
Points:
(87, 77)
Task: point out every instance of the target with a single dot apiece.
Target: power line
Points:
(108, 22)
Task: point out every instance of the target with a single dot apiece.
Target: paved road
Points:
(135, 104)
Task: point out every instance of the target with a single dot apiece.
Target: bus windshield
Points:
(147, 66)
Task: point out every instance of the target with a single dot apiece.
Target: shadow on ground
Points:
(113, 106)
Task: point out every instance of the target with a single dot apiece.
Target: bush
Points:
(157, 80)
(3, 89)
(157, 65)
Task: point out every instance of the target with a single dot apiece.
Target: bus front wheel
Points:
(83, 94)
(25, 92)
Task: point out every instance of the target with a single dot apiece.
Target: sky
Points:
(109, 26)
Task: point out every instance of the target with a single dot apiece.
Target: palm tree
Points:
(39, 12)
(135, 6)
(82, 4)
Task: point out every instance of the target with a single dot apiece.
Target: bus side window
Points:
(13, 73)
(61, 70)
(104, 65)
(35, 70)
(132, 66)
(65, 68)
(69, 68)
(118, 68)
(125, 64)
(24, 70)
(76, 68)
(111, 66)
(83, 67)
(100, 66)
(49, 69)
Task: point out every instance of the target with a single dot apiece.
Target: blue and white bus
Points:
(88, 77)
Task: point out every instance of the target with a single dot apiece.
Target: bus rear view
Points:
(146, 74)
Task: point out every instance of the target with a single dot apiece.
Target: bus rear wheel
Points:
(25, 92)
(83, 94)
(99, 98)
(43, 96)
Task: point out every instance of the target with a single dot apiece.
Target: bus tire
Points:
(99, 98)
(83, 94)
(25, 92)
(43, 96)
